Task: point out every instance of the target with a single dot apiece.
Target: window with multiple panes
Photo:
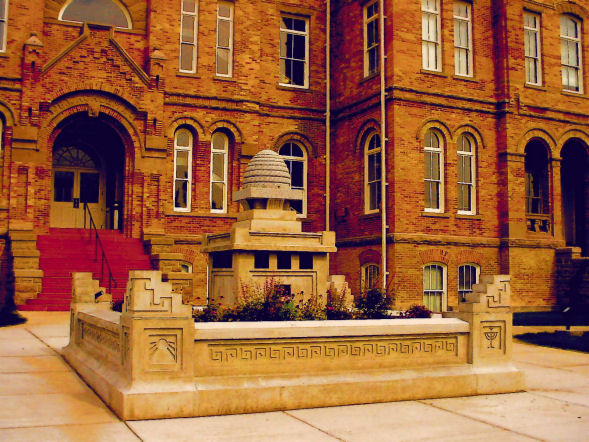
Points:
(296, 161)
(371, 39)
(466, 175)
(463, 39)
(532, 48)
(219, 149)
(3, 24)
(224, 39)
(188, 36)
(434, 177)
(570, 42)
(468, 275)
(536, 168)
(106, 12)
(430, 35)
(434, 287)
(182, 169)
(369, 276)
(372, 174)
(294, 52)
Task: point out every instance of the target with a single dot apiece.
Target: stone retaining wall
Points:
(152, 361)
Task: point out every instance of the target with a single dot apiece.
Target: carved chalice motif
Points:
(491, 334)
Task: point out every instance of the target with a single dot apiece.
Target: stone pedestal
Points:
(24, 255)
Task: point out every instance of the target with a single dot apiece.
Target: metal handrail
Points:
(98, 243)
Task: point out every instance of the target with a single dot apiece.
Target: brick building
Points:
(148, 112)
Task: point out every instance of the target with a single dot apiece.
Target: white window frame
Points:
(368, 276)
(225, 152)
(577, 42)
(4, 20)
(288, 159)
(188, 149)
(532, 33)
(225, 48)
(471, 156)
(427, 40)
(443, 292)
(294, 32)
(428, 150)
(368, 152)
(477, 270)
(458, 48)
(193, 43)
(373, 47)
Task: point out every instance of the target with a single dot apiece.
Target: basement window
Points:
(106, 12)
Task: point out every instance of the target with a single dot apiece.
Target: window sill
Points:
(536, 87)
(467, 216)
(218, 78)
(435, 73)
(574, 94)
(293, 88)
(370, 77)
(187, 74)
(435, 214)
(203, 214)
(465, 78)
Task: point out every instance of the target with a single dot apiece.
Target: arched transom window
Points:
(372, 174)
(107, 12)
(70, 156)
(296, 161)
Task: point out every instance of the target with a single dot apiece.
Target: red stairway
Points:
(64, 251)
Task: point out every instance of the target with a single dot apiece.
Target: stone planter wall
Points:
(152, 361)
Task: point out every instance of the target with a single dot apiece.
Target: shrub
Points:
(417, 311)
(311, 309)
(375, 303)
(336, 306)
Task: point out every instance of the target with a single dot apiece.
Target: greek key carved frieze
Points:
(292, 351)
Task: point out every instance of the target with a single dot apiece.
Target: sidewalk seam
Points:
(313, 426)
(481, 421)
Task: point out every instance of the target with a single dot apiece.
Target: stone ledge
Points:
(309, 329)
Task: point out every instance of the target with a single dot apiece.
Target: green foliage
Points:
(375, 303)
(417, 311)
(336, 306)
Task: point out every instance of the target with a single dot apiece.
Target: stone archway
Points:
(87, 167)
(575, 194)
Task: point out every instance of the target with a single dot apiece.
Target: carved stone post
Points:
(157, 334)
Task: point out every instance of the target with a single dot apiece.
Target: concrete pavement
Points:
(44, 400)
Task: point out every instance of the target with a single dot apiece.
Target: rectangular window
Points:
(430, 35)
(294, 52)
(306, 261)
(463, 39)
(188, 36)
(371, 39)
(532, 48)
(225, 39)
(468, 275)
(261, 260)
(222, 260)
(283, 261)
(3, 24)
(570, 40)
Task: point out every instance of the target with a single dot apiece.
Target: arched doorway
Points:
(574, 185)
(88, 160)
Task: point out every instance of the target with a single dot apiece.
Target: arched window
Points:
(468, 275)
(466, 175)
(219, 148)
(185, 267)
(107, 12)
(369, 276)
(571, 53)
(434, 174)
(434, 287)
(537, 187)
(182, 170)
(296, 160)
(372, 174)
